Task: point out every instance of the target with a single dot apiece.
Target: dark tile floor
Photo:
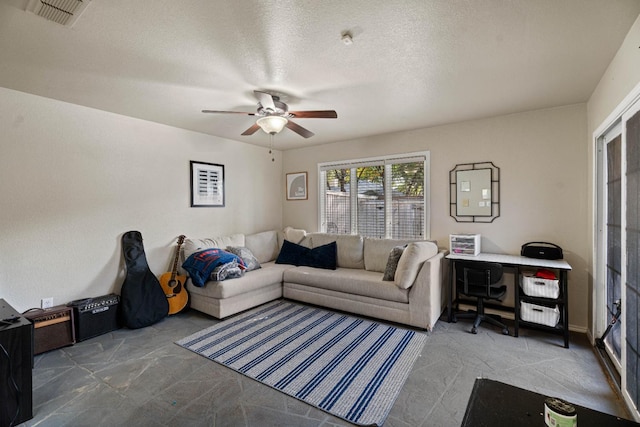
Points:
(141, 378)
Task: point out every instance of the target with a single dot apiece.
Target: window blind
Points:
(375, 197)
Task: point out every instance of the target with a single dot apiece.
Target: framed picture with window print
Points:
(207, 184)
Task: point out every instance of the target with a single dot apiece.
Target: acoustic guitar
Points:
(173, 284)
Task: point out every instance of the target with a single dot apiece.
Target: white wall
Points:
(543, 163)
(621, 76)
(74, 179)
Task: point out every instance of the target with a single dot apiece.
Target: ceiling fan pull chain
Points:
(271, 147)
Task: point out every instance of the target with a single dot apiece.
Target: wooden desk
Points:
(517, 262)
(493, 403)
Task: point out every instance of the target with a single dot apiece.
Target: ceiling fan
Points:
(274, 115)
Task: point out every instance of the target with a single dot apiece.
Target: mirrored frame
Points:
(474, 192)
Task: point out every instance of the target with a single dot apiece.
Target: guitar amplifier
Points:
(52, 328)
(96, 316)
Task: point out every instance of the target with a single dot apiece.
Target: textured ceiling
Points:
(412, 64)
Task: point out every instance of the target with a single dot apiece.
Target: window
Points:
(378, 197)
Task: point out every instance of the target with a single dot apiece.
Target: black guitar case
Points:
(142, 299)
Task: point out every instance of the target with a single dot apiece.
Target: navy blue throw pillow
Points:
(201, 264)
(324, 256)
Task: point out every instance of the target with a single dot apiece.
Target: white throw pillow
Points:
(411, 261)
(294, 235)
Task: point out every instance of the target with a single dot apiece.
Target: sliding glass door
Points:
(631, 299)
(617, 268)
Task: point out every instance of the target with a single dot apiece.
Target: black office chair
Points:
(480, 280)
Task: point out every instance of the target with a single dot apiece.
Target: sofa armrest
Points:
(428, 292)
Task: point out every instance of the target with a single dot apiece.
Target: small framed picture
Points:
(297, 186)
(207, 185)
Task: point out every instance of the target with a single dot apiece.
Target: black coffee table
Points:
(493, 403)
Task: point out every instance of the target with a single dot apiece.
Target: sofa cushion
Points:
(348, 280)
(321, 257)
(376, 252)
(269, 274)
(414, 255)
(250, 261)
(194, 245)
(350, 248)
(263, 245)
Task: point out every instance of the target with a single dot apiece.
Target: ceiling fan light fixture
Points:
(272, 124)
(273, 115)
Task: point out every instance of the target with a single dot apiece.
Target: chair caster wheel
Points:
(474, 330)
(505, 331)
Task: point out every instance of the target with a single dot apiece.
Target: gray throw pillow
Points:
(392, 263)
(250, 261)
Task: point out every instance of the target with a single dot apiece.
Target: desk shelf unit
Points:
(518, 264)
(562, 302)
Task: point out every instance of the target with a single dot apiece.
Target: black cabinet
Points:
(493, 403)
(16, 363)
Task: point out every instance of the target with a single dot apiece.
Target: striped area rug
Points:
(349, 367)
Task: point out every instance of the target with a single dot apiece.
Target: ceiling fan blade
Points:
(299, 129)
(229, 112)
(251, 130)
(266, 100)
(320, 114)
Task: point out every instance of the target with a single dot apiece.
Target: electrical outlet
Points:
(46, 302)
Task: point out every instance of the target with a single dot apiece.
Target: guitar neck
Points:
(174, 269)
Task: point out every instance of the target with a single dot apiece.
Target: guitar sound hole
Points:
(175, 284)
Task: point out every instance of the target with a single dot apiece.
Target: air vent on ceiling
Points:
(65, 12)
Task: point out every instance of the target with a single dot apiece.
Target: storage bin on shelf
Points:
(540, 314)
(464, 244)
(538, 287)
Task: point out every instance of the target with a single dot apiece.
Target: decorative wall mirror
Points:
(474, 192)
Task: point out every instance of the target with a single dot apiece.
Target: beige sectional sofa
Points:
(415, 297)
